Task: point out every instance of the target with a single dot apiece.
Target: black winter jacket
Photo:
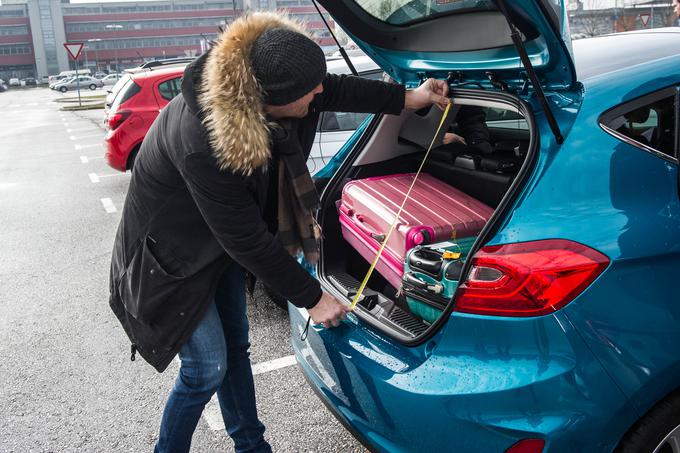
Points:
(198, 193)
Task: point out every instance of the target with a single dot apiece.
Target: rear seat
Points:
(486, 178)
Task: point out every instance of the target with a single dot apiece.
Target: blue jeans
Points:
(216, 359)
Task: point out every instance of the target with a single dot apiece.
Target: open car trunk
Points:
(489, 174)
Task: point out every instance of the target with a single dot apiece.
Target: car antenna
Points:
(519, 45)
(209, 41)
(340, 48)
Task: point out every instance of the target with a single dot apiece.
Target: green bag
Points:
(431, 275)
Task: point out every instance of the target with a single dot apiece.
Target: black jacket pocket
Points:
(146, 288)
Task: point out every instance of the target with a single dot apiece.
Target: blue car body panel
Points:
(484, 383)
(578, 378)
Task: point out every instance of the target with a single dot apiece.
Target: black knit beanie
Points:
(287, 64)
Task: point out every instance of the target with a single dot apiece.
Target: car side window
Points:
(649, 122)
(170, 88)
(341, 121)
(346, 121)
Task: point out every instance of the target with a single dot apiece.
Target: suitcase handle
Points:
(364, 227)
(410, 278)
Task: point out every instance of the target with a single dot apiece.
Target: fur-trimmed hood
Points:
(231, 98)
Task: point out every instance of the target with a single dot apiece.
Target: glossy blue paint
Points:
(480, 385)
(578, 378)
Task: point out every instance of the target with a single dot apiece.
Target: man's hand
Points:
(329, 311)
(432, 91)
(450, 137)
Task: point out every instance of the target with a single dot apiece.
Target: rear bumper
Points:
(114, 156)
(477, 390)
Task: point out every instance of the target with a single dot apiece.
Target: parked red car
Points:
(133, 104)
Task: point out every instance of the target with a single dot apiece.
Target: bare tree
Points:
(385, 9)
(627, 20)
(593, 18)
(669, 17)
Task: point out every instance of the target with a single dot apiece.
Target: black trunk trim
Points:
(487, 232)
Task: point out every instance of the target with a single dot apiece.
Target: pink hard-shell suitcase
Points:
(435, 212)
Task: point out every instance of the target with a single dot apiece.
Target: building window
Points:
(159, 24)
(13, 30)
(12, 13)
(15, 49)
(168, 41)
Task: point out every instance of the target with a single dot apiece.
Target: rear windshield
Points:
(129, 90)
(400, 12)
(115, 90)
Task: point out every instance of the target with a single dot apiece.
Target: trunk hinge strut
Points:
(524, 57)
(340, 48)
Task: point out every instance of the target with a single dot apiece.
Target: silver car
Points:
(335, 128)
(111, 79)
(72, 84)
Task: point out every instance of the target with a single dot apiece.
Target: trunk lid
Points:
(469, 42)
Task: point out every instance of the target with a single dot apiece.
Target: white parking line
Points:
(275, 364)
(95, 178)
(108, 205)
(86, 159)
(85, 136)
(213, 416)
(93, 145)
(212, 413)
(115, 174)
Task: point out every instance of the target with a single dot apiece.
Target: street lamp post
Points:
(115, 27)
(96, 53)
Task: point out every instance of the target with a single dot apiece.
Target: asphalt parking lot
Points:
(67, 381)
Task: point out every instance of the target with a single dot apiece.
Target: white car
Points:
(111, 79)
(14, 82)
(335, 128)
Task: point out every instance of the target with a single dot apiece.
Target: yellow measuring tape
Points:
(357, 296)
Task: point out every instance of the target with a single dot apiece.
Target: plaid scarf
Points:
(297, 196)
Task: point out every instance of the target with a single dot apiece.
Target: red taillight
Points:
(527, 446)
(117, 118)
(528, 278)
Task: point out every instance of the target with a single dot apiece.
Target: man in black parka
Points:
(205, 202)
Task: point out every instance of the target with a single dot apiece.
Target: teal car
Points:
(563, 332)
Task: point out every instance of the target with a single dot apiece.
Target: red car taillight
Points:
(117, 118)
(528, 278)
(527, 446)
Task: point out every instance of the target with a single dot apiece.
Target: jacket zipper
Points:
(133, 351)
